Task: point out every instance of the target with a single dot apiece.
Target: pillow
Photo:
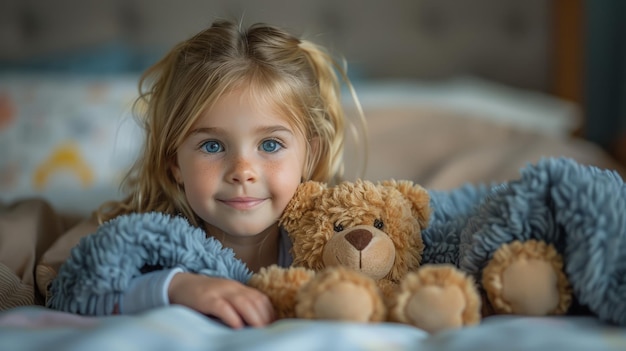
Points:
(67, 139)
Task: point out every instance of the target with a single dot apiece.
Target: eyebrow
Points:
(262, 130)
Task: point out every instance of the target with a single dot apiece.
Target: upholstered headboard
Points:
(503, 40)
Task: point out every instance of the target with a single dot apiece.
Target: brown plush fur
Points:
(360, 245)
(284, 285)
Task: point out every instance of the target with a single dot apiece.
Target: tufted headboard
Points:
(503, 40)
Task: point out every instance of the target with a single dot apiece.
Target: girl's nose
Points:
(241, 171)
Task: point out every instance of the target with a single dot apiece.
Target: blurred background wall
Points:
(604, 74)
(572, 49)
(506, 40)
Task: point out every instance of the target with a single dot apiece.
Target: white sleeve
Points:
(147, 291)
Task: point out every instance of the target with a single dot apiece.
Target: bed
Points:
(67, 138)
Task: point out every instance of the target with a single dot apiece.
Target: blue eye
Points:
(270, 145)
(212, 147)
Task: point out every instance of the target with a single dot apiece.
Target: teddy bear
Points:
(357, 251)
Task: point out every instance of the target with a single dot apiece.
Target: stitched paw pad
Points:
(437, 298)
(527, 278)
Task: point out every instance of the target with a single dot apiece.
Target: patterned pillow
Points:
(68, 139)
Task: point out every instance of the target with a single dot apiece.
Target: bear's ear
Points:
(417, 195)
(302, 201)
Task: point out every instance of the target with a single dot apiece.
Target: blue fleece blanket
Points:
(579, 209)
(102, 265)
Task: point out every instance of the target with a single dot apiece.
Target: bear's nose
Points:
(359, 238)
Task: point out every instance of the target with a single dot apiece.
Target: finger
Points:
(251, 316)
(223, 310)
(256, 310)
(267, 308)
(264, 305)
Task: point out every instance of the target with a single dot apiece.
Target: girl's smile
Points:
(243, 203)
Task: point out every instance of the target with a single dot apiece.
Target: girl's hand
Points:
(229, 300)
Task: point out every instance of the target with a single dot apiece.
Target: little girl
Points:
(235, 120)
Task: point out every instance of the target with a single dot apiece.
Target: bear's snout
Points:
(359, 238)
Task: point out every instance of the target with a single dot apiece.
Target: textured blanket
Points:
(102, 265)
(579, 209)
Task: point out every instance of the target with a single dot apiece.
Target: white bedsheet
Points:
(179, 328)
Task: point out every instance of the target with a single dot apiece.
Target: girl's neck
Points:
(257, 251)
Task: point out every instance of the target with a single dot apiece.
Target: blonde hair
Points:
(298, 76)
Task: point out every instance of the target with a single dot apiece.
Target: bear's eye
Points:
(338, 227)
(378, 224)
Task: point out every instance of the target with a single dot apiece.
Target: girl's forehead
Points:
(246, 100)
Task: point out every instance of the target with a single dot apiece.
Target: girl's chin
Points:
(249, 231)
